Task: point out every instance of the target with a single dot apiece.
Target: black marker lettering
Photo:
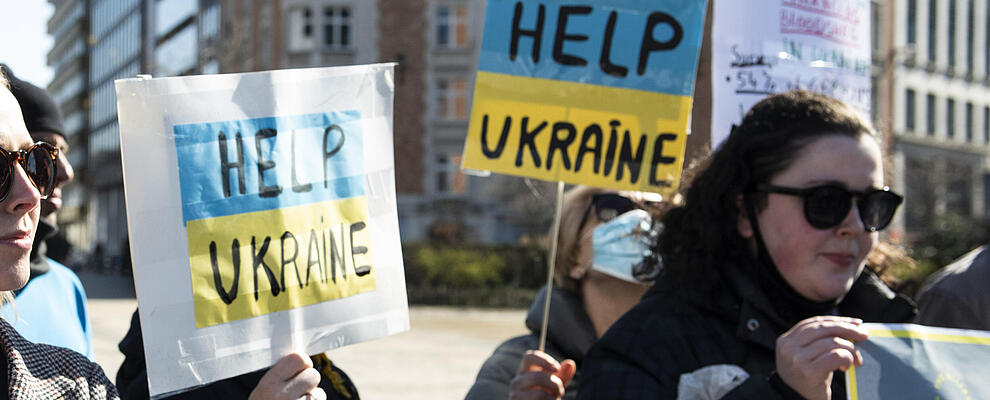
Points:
(500, 147)
(659, 158)
(528, 139)
(259, 261)
(285, 261)
(296, 187)
(561, 36)
(593, 131)
(604, 61)
(626, 158)
(329, 153)
(263, 164)
(225, 166)
(235, 255)
(517, 32)
(561, 145)
(650, 44)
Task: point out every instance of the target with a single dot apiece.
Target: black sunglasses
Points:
(39, 164)
(826, 206)
(607, 206)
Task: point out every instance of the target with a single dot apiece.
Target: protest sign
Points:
(904, 361)
(262, 217)
(591, 93)
(770, 46)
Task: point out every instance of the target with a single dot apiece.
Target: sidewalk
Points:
(437, 359)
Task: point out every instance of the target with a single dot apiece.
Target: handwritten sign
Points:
(262, 217)
(904, 361)
(271, 228)
(593, 93)
(766, 47)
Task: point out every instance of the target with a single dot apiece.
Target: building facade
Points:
(435, 44)
(935, 101)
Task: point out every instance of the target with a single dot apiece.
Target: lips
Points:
(840, 259)
(20, 239)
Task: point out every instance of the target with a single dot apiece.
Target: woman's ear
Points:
(743, 224)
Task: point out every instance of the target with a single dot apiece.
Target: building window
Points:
(986, 39)
(912, 20)
(970, 31)
(930, 115)
(301, 29)
(950, 118)
(952, 33)
(452, 26)
(909, 110)
(451, 99)
(986, 125)
(449, 177)
(337, 28)
(932, 29)
(969, 122)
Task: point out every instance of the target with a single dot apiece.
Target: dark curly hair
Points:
(701, 236)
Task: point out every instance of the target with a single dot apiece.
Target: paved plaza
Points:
(437, 359)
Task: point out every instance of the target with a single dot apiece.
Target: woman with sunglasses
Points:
(764, 285)
(27, 174)
(603, 235)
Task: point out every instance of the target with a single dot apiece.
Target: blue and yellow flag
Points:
(275, 213)
(905, 361)
(592, 94)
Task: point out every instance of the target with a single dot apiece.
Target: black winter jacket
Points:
(132, 377)
(667, 335)
(570, 334)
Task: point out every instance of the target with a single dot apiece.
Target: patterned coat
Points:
(40, 371)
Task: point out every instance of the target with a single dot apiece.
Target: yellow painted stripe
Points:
(929, 336)
(313, 251)
(852, 389)
(650, 118)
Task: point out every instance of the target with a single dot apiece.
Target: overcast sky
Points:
(24, 40)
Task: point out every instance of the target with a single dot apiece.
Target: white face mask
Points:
(621, 244)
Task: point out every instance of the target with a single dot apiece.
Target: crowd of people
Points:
(753, 284)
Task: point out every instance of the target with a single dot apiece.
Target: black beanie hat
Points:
(39, 108)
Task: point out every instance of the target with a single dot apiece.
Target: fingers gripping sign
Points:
(814, 348)
(540, 376)
(291, 378)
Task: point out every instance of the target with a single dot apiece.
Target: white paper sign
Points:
(262, 217)
(770, 46)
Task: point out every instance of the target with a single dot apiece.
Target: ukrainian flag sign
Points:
(279, 199)
(904, 361)
(262, 217)
(597, 94)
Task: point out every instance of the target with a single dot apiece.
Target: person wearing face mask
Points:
(765, 284)
(53, 294)
(603, 236)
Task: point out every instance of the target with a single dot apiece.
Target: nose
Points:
(853, 223)
(65, 171)
(23, 196)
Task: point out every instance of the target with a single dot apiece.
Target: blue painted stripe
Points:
(201, 177)
(667, 71)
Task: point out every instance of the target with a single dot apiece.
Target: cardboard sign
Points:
(596, 93)
(904, 361)
(262, 217)
(771, 46)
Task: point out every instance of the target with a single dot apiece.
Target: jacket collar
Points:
(569, 328)
(30, 374)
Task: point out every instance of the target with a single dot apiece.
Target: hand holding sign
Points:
(809, 352)
(291, 378)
